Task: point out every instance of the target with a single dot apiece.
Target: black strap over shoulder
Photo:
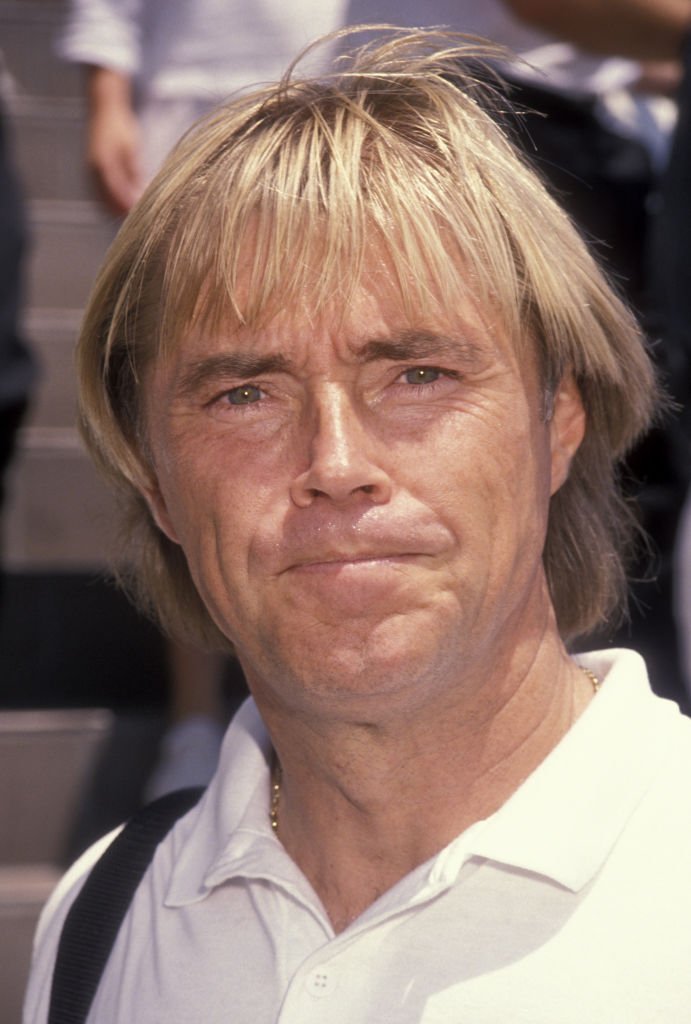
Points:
(94, 919)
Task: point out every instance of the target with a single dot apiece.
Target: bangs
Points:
(292, 205)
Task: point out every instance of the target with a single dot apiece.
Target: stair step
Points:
(28, 32)
(24, 890)
(68, 243)
(26, 885)
(52, 333)
(59, 514)
(48, 137)
(48, 758)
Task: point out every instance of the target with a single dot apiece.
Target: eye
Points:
(422, 375)
(245, 394)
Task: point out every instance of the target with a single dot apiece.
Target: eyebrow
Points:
(410, 344)
(415, 344)
(229, 365)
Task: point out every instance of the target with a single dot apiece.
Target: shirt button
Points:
(321, 982)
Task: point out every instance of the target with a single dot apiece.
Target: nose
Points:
(342, 461)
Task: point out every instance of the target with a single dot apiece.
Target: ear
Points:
(158, 508)
(567, 427)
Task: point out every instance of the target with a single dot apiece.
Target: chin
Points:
(349, 676)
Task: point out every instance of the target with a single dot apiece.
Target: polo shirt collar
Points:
(231, 834)
(561, 823)
(564, 820)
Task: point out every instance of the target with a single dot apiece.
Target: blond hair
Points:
(404, 146)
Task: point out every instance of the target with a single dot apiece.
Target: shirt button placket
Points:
(310, 997)
(321, 982)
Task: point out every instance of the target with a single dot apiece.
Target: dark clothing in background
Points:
(602, 178)
(670, 268)
(606, 182)
(16, 363)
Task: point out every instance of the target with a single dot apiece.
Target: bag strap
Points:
(95, 917)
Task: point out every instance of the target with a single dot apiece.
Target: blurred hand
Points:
(113, 141)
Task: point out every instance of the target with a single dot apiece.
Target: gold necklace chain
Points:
(597, 683)
(276, 779)
(277, 771)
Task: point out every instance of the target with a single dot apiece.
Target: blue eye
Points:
(246, 394)
(422, 375)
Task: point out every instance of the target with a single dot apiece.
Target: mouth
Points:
(333, 547)
(342, 562)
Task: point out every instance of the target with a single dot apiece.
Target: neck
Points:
(364, 799)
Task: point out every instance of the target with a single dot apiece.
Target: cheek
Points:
(493, 479)
(222, 511)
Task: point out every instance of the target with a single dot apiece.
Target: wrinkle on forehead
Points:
(376, 318)
(236, 295)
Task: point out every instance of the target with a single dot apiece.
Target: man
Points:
(363, 390)
(151, 70)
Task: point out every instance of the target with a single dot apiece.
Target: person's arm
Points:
(113, 140)
(639, 29)
(104, 37)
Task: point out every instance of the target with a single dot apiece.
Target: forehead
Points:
(373, 301)
(270, 274)
(376, 323)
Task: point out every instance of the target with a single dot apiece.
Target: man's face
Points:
(362, 500)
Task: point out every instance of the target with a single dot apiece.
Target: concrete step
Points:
(68, 778)
(24, 890)
(48, 137)
(52, 333)
(48, 758)
(27, 36)
(59, 514)
(68, 243)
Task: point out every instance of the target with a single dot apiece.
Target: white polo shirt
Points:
(570, 904)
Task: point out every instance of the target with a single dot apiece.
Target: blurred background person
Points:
(17, 368)
(670, 271)
(153, 67)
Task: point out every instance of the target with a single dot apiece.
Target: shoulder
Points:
(108, 875)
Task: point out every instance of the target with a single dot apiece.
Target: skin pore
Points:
(362, 501)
